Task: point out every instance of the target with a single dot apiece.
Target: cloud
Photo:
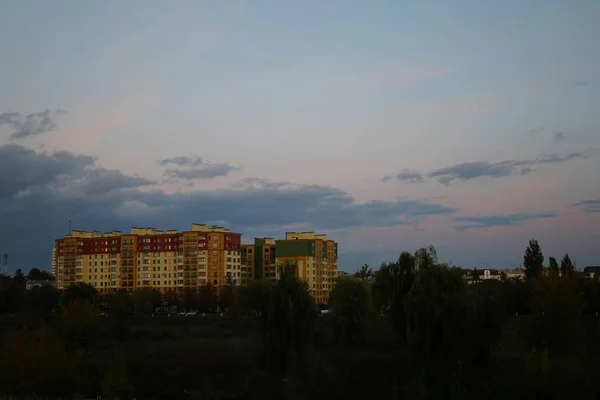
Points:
(191, 168)
(588, 205)
(39, 191)
(26, 125)
(407, 175)
(497, 220)
(24, 171)
(478, 169)
(559, 137)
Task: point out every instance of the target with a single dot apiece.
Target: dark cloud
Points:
(407, 175)
(25, 125)
(23, 171)
(489, 221)
(40, 191)
(527, 170)
(191, 168)
(478, 169)
(588, 205)
(559, 137)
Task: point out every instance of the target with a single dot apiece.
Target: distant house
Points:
(342, 273)
(484, 274)
(591, 272)
(516, 273)
(31, 284)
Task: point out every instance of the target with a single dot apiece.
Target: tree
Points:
(145, 300)
(11, 295)
(39, 302)
(286, 316)
(207, 300)
(365, 273)
(503, 277)
(35, 274)
(533, 261)
(475, 275)
(80, 292)
(352, 306)
(567, 266)
(553, 266)
(19, 277)
(226, 294)
(392, 284)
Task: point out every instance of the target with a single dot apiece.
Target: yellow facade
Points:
(146, 257)
(318, 267)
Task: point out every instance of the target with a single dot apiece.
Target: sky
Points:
(389, 125)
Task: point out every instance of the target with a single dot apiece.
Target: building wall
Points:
(316, 258)
(53, 263)
(146, 257)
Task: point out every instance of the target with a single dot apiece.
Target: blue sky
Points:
(390, 125)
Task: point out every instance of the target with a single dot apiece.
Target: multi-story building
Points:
(53, 264)
(315, 257)
(258, 259)
(146, 257)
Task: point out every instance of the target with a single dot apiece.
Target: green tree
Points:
(39, 302)
(556, 305)
(475, 275)
(115, 380)
(35, 274)
(120, 307)
(79, 323)
(553, 266)
(567, 266)
(533, 260)
(392, 284)
(145, 300)
(286, 318)
(365, 273)
(352, 307)
(11, 295)
(207, 300)
(19, 277)
(80, 292)
(226, 294)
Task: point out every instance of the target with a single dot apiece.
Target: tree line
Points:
(412, 329)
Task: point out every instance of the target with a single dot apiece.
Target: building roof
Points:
(589, 269)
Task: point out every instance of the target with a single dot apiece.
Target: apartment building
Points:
(258, 259)
(147, 257)
(316, 258)
(53, 263)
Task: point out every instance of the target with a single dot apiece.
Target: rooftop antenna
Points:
(5, 262)
(70, 230)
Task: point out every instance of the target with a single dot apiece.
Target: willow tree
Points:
(446, 327)
(352, 307)
(287, 316)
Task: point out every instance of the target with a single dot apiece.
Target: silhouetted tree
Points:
(553, 266)
(207, 298)
(352, 307)
(365, 273)
(145, 300)
(566, 266)
(11, 295)
(35, 274)
(475, 274)
(19, 277)
(80, 292)
(533, 261)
